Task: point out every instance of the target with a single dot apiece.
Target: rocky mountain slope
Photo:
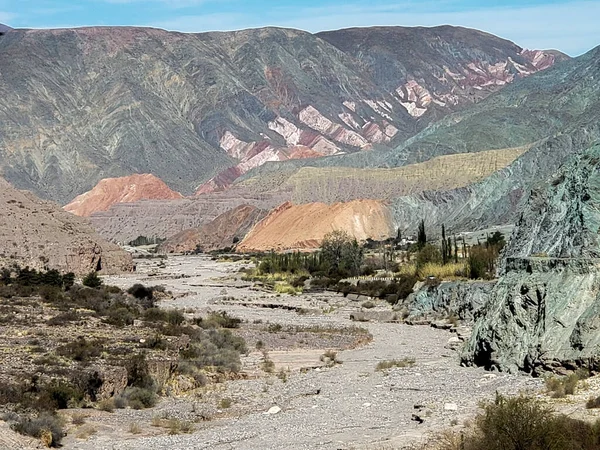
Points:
(224, 231)
(121, 190)
(40, 235)
(4, 29)
(302, 227)
(543, 312)
(198, 110)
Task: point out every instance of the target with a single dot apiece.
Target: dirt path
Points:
(350, 405)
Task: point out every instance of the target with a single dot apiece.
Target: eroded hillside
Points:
(121, 190)
(302, 227)
(40, 235)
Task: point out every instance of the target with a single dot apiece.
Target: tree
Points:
(444, 246)
(341, 253)
(421, 236)
(92, 280)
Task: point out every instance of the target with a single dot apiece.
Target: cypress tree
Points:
(421, 236)
(444, 246)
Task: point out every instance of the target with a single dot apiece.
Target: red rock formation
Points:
(121, 190)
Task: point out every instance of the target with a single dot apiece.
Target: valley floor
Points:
(346, 406)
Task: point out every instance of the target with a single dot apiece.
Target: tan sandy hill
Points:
(121, 190)
(220, 233)
(302, 227)
(40, 235)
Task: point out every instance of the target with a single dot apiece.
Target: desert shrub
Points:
(59, 394)
(428, 254)
(523, 423)
(50, 293)
(92, 280)
(140, 398)
(138, 374)
(64, 318)
(207, 355)
(157, 342)
(81, 349)
(120, 316)
(560, 387)
(174, 317)
(593, 403)
(140, 291)
(298, 282)
(47, 427)
(78, 418)
(155, 315)
(225, 403)
(391, 363)
(107, 405)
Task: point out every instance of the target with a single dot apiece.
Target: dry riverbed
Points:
(291, 396)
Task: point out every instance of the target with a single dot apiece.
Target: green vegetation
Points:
(522, 423)
(65, 375)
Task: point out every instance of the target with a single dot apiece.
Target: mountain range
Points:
(199, 110)
(448, 124)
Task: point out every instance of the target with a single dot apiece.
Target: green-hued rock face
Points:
(545, 309)
(542, 313)
(562, 220)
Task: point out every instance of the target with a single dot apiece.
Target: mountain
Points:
(121, 190)
(40, 235)
(223, 232)
(302, 227)
(4, 29)
(199, 110)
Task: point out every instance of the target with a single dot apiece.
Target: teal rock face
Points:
(545, 309)
(563, 219)
(463, 300)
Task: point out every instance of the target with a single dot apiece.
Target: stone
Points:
(274, 410)
(450, 407)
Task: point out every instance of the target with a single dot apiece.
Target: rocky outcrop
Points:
(440, 300)
(121, 190)
(545, 309)
(543, 313)
(302, 227)
(40, 235)
(186, 107)
(562, 220)
(223, 232)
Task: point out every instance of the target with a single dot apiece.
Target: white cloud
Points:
(571, 27)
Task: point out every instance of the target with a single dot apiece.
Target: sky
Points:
(570, 26)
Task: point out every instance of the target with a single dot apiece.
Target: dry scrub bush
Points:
(521, 423)
(391, 363)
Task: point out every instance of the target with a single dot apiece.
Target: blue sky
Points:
(570, 26)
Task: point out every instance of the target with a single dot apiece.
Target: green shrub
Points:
(391, 363)
(138, 374)
(140, 398)
(92, 280)
(140, 291)
(81, 349)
